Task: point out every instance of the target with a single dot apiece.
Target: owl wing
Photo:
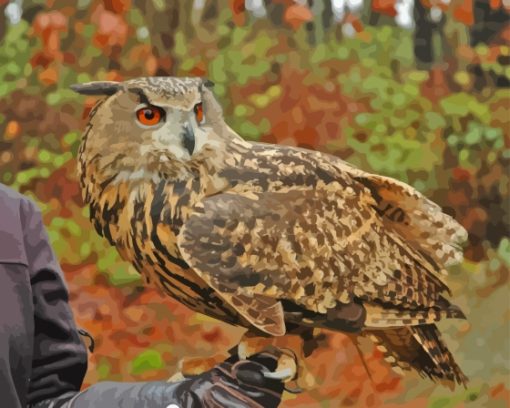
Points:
(426, 227)
(312, 246)
(421, 222)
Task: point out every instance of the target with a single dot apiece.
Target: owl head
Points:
(148, 126)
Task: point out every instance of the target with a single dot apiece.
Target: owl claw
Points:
(282, 375)
(286, 376)
(291, 367)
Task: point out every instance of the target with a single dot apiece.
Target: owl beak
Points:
(188, 138)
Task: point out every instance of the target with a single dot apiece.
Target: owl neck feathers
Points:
(125, 207)
(114, 197)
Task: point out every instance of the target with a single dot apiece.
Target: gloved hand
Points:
(232, 384)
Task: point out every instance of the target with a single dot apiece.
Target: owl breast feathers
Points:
(264, 236)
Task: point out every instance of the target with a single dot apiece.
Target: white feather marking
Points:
(140, 174)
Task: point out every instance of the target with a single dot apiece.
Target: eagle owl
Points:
(272, 238)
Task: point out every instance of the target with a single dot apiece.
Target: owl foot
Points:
(190, 367)
(291, 367)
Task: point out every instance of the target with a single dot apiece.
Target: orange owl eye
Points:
(199, 112)
(149, 116)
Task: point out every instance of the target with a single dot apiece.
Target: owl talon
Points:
(283, 375)
(286, 376)
(291, 367)
(296, 390)
(190, 367)
(177, 377)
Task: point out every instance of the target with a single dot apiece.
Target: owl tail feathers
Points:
(420, 348)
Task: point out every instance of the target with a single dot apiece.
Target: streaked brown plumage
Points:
(267, 237)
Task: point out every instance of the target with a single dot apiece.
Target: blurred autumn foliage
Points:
(417, 93)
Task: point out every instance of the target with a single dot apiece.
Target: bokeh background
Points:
(416, 90)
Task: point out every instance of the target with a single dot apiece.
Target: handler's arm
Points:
(60, 357)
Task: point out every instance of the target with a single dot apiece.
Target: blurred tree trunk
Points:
(275, 12)
(423, 50)
(327, 16)
(204, 16)
(30, 10)
(312, 27)
(432, 50)
(331, 27)
(373, 16)
(426, 27)
(3, 19)
(211, 12)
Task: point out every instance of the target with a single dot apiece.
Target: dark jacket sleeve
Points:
(59, 359)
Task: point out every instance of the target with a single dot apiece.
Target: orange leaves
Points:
(49, 26)
(505, 33)
(461, 174)
(237, 7)
(143, 52)
(464, 12)
(385, 7)
(500, 393)
(63, 185)
(436, 86)
(296, 15)
(49, 76)
(496, 4)
(47, 22)
(200, 69)
(442, 5)
(12, 130)
(112, 30)
(356, 24)
(87, 106)
(117, 6)
(238, 11)
(308, 112)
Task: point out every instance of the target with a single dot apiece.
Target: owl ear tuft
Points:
(207, 83)
(97, 88)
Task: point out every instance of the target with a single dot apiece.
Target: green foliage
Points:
(147, 360)
(504, 251)
(477, 145)
(462, 104)
(14, 56)
(103, 368)
(401, 125)
(491, 66)
(468, 396)
(241, 59)
(118, 273)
